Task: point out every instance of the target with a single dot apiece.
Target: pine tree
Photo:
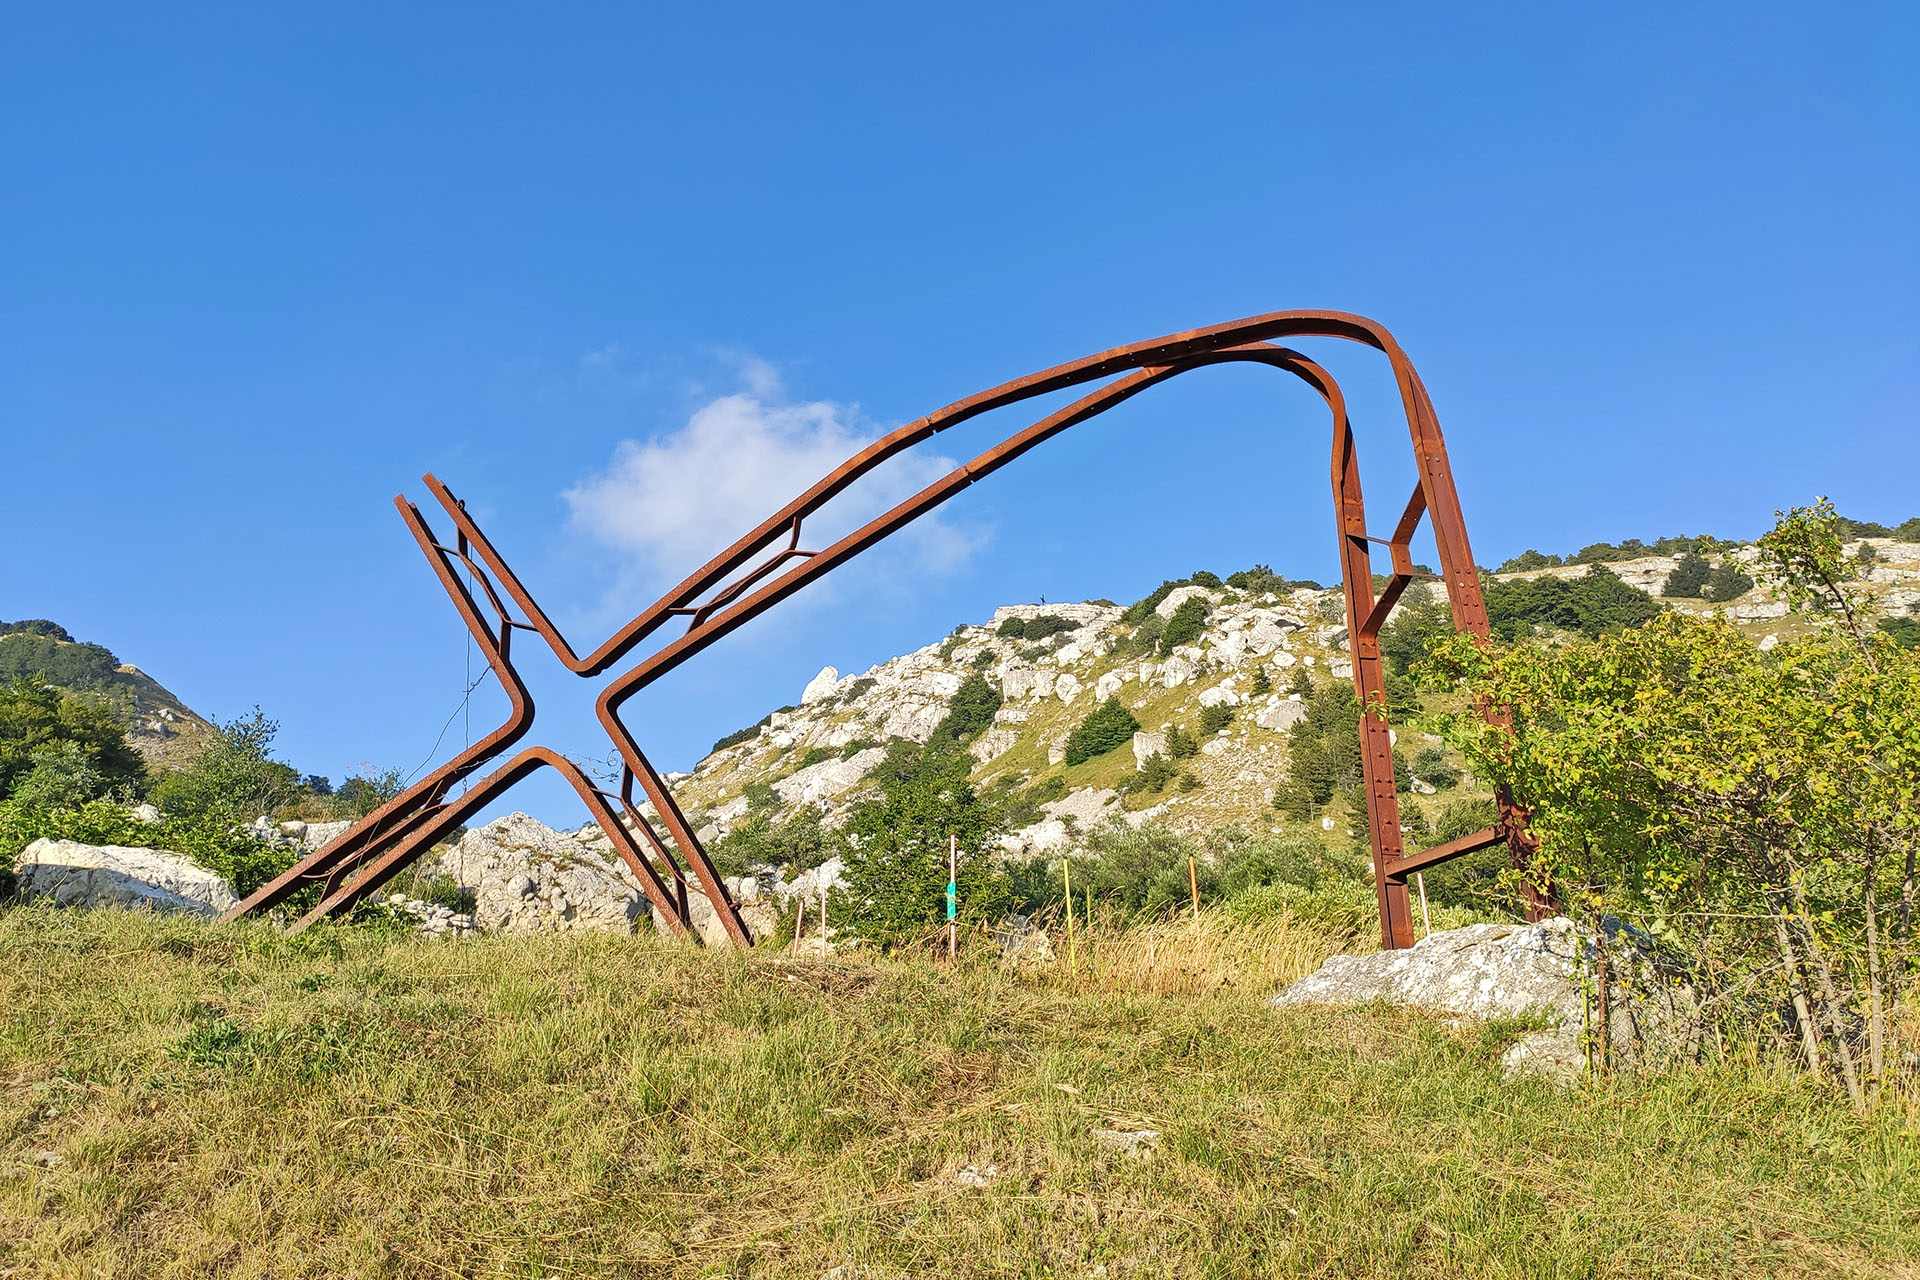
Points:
(1689, 575)
(1180, 743)
(1262, 682)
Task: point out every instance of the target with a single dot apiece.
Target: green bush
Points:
(1727, 583)
(855, 747)
(1109, 726)
(815, 755)
(1689, 577)
(1593, 604)
(1262, 682)
(1904, 632)
(1430, 764)
(1142, 609)
(1292, 798)
(1181, 745)
(1187, 624)
(983, 659)
(896, 868)
(1203, 578)
(1155, 774)
(1325, 746)
(234, 778)
(747, 734)
(1215, 718)
(73, 741)
(969, 711)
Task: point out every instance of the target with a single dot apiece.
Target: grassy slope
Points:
(230, 1102)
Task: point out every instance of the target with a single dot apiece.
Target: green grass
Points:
(182, 1100)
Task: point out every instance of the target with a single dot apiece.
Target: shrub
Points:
(860, 687)
(747, 734)
(1727, 583)
(1186, 625)
(1292, 798)
(1262, 682)
(1110, 725)
(1689, 576)
(1528, 559)
(969, 711)
(1593, 604)
(761, 797)
(1325, 746)
(855, 747)
(1181, 745)
(1155, 773)
(1215, 718)
(983, 659)
(234, 777)
(1203, 578)
(1430, 764)
(71, 739)
(897, 861)
(1189, 781)
(1142, 609)
(815, 755)
(1013, 628)
(1904, 632)
(209, 841)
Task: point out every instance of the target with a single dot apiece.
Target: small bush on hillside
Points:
(1689, 577)
(1142, 609)
(855, 747)
(1292, 798)
(1186, 625)
(1189, 780)
(208, 841)
(860, 688)
(792, 846)
(1155, 774)
(1430, 764)
(1528, 559)
(72, 739)
(1325, 746)
(983, 659)
(1215, 718)
(1109, 726)
(761, 797)
(1203, 578)
(1727, 583)
(1144, 639)
(747, 734)
(1181, 745)
(969, 711)
(1262, 682)
(1904, 632)
(815, 755)
(1593, 604)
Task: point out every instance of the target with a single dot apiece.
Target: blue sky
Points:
(265, 265)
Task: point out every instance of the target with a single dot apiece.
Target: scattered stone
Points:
(1022, 942)
(1136, 1144)
(975, 1177)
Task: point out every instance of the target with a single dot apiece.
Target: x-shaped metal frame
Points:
(373, 850)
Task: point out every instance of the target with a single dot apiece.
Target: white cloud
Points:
(675, 500)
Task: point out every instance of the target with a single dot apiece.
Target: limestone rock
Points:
(1282, 716)
(1022, 943)
(1066, 687)
(71, 874)
(528, 878)
(1108, 685)
(828, 778)
(1179, 596)
(821, 686)
(1506, 970)
(1147, 744)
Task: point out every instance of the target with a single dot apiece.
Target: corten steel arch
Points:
(371, 852)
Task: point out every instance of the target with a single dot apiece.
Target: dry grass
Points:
(184, 1101)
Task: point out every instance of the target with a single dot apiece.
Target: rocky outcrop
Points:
(70, 874)
(1526, 971)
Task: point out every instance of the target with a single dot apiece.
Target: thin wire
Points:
(448, 725)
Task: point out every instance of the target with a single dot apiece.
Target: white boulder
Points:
(71, 874)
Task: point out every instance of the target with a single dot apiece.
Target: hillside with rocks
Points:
(161, 727)
(1253, 662)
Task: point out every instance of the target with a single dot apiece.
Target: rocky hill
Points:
(162, 728)
(1254, 658)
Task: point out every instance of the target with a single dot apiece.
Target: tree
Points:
(1181, 744)
(1756, 812)
(1430, 764)
(1262, 682)
(896, 866)
(36, 718)
(1215, 718)
(1727, 583)
(1187, 624)
(969, 711)
(1155, 773)
(233, 777)
(1690, 574)
(1324, 747)
(1109, 726)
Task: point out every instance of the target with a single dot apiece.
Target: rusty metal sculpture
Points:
(370, 853)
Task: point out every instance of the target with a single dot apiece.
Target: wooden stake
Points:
(799, 922)
(1066, 876)
(1420, 878)
(953, 891)
(1193, 887)
(823, 917)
